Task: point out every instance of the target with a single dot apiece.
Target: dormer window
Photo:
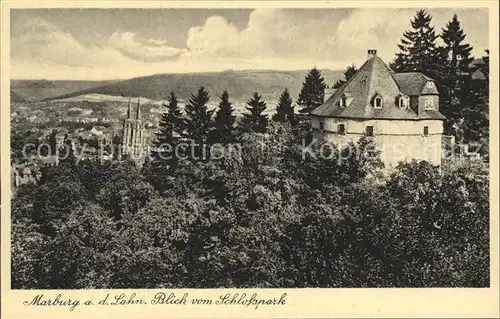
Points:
(377, 102)
(403, 102)
(345, 99)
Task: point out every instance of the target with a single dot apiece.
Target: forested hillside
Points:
(36, 90)
(241, 84)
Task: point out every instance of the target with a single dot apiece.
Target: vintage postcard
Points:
(249, 159)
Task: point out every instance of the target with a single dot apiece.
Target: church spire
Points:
(138, 109)
(129, 112)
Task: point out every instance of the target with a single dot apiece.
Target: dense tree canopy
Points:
(475, 123)
(462, 82)
(262, 216)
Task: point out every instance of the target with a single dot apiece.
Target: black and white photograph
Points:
(179, 148)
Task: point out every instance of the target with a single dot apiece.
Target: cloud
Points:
(382, 29)
(270, 33)
(43, 42)
(272, 39)
(379, 29)
(41, 50)
(156, 42)
(278, 33)
(215, 38)
(151, 50)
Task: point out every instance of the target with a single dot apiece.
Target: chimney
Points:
(138, 109)
(371, 53)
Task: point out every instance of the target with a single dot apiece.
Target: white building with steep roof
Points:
(399, 111)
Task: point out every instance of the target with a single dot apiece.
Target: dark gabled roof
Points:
(374, 78)
(413, 83)
(431, 115)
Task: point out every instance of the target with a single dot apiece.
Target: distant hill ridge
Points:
(239, 84)
(16, 97)
(37, 90)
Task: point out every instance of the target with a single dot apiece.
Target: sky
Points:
(103, 44)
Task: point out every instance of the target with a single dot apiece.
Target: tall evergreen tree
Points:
(198, 122)
(285, 109)
(455, 51)
(348, 73)
(456, 57)
(312, 94)
(169, 130)
(418, 50)
(255, 120)
(224, 120)
(165, 153)
(476, 106)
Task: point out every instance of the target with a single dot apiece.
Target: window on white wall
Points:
(341, 129)
(321, 126)
(426, 131)
(369, 131)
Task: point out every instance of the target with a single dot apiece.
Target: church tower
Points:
(134, 139)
